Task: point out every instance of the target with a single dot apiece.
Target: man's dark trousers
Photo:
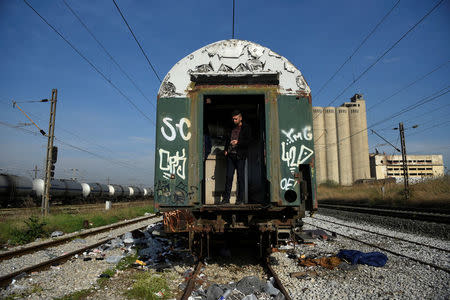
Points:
(234, 163)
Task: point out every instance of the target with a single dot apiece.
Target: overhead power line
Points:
(117, 162)
(92, 65)
(108, 54)
(386, 52)
(408, 85)
(415, 105)
(356, 50)
(139, 44)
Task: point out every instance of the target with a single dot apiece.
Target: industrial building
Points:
(419, 166)
(340, 142)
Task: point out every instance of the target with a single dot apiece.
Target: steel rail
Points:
(382, 234)
(191, 282)
(404, 214)
(6, 279)
(35, 247)
(277, 280)
(385, 249)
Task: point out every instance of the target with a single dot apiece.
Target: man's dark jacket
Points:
(243, 141)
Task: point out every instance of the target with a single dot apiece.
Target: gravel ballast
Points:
(400, 278)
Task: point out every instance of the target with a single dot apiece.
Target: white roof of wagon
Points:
(234, 58)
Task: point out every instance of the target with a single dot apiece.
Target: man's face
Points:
(237, 119)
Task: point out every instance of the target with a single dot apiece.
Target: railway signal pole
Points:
(50, 150)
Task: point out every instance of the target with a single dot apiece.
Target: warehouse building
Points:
(419, 166)
(340, 142)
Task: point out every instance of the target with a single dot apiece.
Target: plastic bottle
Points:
(225, 295)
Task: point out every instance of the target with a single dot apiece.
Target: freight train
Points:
(194, 106)
(17, 191)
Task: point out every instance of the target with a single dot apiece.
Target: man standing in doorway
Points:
(236, 151)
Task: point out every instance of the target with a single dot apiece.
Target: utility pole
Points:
(35, 171)
(49, 161)
(404, 160)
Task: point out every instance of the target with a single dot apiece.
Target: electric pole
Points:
(50, 151)
(404, 160)
(35, 171)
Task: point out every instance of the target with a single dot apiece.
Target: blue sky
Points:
(316, 36)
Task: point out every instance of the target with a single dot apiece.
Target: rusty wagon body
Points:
(194, 104)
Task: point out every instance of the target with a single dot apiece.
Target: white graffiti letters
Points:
(180, 126)
(290, 155)
(287, 183)
(172, 164)
(183, 121)
(305, 134)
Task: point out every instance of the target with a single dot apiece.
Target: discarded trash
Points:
(114, 259)
(326, 262)
(128, 238)
(225, 295)
(249, 285)
(319, 233)
(56, 234)
(270, 289)
(103, 275)
(87, 258)
(376, 259)
(140, 262)
(250, 297)
(160, 294)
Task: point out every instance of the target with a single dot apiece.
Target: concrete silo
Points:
(320, 161)
(365, 161)
(344, 147)
(331, 144)
(356, 143)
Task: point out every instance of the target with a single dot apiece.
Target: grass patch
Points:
(77, 295)
(427, 194)
(147, 285)
(26, 228)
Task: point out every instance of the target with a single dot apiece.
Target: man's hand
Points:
(234, 142)
(226, 153)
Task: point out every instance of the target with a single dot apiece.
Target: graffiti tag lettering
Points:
(287, 183)
(305, 134)
(290, 155)
(184, 122)
(172, 164)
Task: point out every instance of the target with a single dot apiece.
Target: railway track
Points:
(409, 249)
(201, 265)
(421, 215)
(113, 230)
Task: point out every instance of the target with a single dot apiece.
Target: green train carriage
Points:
(194, 105)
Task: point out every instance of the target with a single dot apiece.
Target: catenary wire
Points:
(408, 85)
(357, 49)
(386, 52)
(92, 65)
(108, 54)
(117, 162)
(139, 44)
(421, 102)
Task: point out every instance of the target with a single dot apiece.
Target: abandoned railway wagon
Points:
(194, 107)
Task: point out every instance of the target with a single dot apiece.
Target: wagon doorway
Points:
(217, 124)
